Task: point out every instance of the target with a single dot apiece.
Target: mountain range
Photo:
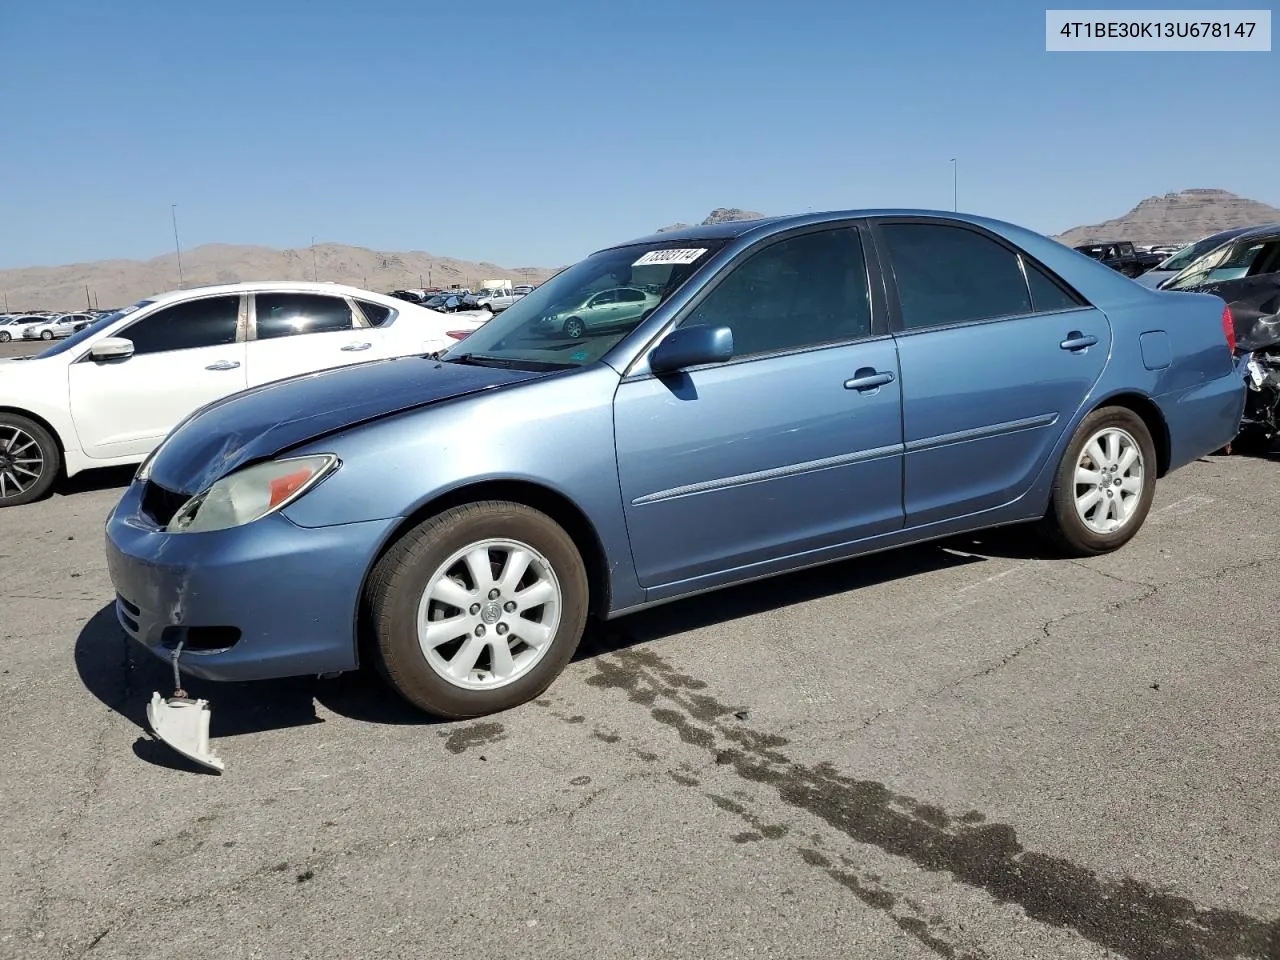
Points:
(1170, 218)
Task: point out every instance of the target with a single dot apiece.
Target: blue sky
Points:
(532, 133)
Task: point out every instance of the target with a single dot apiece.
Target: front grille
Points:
(160, 504)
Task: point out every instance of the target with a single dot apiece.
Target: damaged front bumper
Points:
(268, 599)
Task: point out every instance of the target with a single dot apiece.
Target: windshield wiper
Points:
(482, 360)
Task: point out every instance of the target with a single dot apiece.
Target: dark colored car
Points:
(1246, 274)
(1121, 255)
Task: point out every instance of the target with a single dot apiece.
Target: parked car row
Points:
(42, 326)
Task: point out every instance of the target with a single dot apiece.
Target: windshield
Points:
(80, 336)
(581, 313)
(1229, 262)
(1188, 254)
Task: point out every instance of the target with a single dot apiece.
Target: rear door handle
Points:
(357, 346)
(223, 365)
(1077, 341)
(868, 379)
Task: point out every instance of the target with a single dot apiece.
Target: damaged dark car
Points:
(1246, 274)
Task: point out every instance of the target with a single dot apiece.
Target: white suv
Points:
(106, 396)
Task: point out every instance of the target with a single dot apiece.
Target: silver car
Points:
(614, 307)
(58, 328)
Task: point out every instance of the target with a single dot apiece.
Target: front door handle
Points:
(868, 378)
(1077, 341)
(223, 365)
(357, 346)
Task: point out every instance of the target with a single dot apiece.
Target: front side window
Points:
(1228, 262)
(210, 322)
(291, 314)
(946, 275)
(801, 292)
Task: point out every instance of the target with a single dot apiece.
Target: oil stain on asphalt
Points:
(1123, 915)
(462, 739)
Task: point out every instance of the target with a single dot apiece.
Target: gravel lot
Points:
(957, 751)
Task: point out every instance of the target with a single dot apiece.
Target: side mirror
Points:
(111, 348)
(691, 346)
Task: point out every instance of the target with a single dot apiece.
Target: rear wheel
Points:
(477, 609)
(29, 460)
(1105, 483)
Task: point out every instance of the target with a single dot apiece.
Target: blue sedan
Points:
(801, 390)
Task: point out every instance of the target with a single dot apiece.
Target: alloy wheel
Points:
(21, 462)
(1108, 480)
(489, 614)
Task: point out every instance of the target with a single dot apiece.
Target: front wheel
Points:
(1104, 485)
(477, 609)
(29, 460)
(574, 328)
(46, 335)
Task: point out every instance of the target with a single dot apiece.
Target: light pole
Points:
(315, 272)
(955, 206)
(173, 212)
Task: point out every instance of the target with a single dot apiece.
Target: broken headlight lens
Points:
(251, 493)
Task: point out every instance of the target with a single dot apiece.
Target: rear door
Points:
(185, 355)
(292, 333)
(996, 355)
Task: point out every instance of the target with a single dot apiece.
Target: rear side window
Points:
(947, 275)
(210, 322)
(1046, 295)
(294, 314)
(375, 313)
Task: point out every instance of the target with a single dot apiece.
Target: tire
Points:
(427, 562)
(5, 336)
(46, 335)
(17, 435)
(1064, 523)
(574, 328)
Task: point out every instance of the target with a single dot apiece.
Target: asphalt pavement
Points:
(960, 751)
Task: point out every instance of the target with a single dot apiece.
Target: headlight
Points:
(251, 494)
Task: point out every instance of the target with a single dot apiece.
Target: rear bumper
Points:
(269, 599)
(1203, 418)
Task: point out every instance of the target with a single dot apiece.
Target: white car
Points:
(14, 327)
(58, 328)
(106, 396)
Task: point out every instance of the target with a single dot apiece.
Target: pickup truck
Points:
(1121, 255)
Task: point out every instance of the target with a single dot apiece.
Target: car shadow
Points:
(123, 676)
(103, 478)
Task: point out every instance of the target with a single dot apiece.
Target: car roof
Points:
(733, 229)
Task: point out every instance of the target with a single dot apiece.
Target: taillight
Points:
(457, 334)
(1229, 328)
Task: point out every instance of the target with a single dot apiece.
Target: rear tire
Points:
(444, 641)
(1104, 484)
(25, 446)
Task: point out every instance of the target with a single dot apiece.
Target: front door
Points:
(996, 355)
(185, 355)
(302, 332)
(792, 446)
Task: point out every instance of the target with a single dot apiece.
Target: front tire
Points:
(30, 460)
(574, 328)
(477, 609)
(1104, 485)
(46, 335)
(5, 336)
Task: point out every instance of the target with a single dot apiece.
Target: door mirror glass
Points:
(691, 346)
(112, 348)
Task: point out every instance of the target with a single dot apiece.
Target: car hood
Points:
(1153, 277)
(264, 421)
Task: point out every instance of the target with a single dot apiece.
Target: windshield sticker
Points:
(673, 257)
